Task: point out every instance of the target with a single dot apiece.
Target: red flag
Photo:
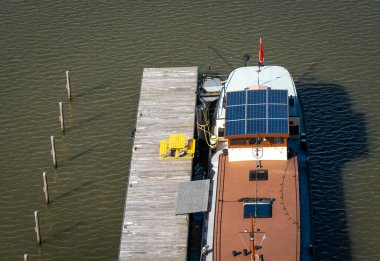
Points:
(261, 53)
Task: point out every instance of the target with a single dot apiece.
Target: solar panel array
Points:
(257, 112)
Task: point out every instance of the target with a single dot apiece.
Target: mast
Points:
(261, 60)
(252, 241)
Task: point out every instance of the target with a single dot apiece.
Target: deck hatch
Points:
(258, 174)
(259, 209)
(257, 112)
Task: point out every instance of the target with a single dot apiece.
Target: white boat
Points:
(259, 205)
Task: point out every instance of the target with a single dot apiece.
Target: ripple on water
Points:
(106, 45)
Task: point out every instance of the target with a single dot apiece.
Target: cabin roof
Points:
(275, 77)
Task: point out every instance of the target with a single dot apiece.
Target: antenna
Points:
(258, 75)
(220, 56)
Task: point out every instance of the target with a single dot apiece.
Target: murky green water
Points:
(106, 44)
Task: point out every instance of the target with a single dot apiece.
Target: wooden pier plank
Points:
(151, 230)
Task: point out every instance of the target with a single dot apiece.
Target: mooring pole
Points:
(37, 228)
(25, 257)
(53, 151)
(46, 188)
(68, 85)
(61, 119)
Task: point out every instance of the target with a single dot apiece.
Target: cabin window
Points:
(277, 140)
(256, 141)
(238, 141)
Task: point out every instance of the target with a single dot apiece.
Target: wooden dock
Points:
(151, 230)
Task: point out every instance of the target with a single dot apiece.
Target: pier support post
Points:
(37, 228)
(46, 188)
(53, 151)
(68, 85)
(25, 257)
(61, 119)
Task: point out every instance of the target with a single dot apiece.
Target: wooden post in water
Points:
(25, 257)
(68, 85)
(61, 119)
(46, 188)
(37, 228)
(53, 151)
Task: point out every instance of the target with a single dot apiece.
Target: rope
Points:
(206, 130)
(208, 134)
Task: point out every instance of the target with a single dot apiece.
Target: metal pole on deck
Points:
(252, 241)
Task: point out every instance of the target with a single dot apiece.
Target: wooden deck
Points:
(151, 230)
(282, 230)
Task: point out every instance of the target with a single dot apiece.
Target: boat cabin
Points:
(257, 124)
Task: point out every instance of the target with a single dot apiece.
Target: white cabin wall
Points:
(244, 154)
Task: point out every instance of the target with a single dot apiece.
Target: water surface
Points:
(330, 48)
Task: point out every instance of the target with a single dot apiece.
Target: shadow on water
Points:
(80, 154)
(336, 136)
(67, 231)
(73, 191)
(85, 122)
(90, 91)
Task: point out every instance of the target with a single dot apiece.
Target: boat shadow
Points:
(336, 136)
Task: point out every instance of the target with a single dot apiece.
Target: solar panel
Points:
(235, 127)
(257, 112)
(256, 126)
(236, 112)
(236, 98)
(277, 111)
(278, 126)
(257, 96)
